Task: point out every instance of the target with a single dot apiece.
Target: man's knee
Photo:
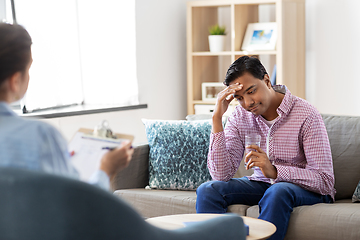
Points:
(209, 199)
(207, 189)
(280, 192)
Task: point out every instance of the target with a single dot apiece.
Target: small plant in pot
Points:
(217, 38)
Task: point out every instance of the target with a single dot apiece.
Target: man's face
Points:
(255, 95)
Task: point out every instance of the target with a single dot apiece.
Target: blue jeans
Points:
(276, 202)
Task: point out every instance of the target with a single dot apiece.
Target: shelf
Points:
(235, 15)
(221, 3)
(226, 53)
(229, 53)
(242, 53)
(200, 102)
(204, 102)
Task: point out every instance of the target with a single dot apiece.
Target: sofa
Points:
(339, 220)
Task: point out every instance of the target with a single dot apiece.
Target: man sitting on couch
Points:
(294, 162)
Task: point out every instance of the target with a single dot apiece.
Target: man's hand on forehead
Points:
(236, 86)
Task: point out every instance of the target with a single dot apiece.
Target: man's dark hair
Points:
(242, 65)
(15, 50)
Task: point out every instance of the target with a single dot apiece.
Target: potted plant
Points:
(217, 38)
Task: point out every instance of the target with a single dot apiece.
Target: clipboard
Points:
(87, 150)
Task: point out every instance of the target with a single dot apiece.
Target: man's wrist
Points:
(217, 124)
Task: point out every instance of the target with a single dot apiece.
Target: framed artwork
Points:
(210, 90)
(260, 36)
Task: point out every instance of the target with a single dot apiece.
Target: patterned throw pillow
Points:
(356, 195)
(178, 153)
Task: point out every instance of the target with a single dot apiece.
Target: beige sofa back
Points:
(344, 136)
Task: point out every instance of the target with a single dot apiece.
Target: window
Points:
(84, 51)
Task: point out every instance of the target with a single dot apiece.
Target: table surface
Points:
(258, 229)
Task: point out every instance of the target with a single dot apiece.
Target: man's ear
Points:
(14, 82)
(267, 81)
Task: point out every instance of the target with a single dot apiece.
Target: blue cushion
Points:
(356, 195)
(178, 153)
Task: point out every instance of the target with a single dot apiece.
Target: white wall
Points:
(332, 56)
(161, 56)
(2, 10)
(332, 61)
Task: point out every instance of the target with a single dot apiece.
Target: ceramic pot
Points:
(217, 43)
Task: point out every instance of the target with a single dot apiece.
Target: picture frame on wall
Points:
(210, 90)
(260, 36)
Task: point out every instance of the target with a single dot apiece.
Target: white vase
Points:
(217, 43)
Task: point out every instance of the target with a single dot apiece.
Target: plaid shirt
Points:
(297, 144)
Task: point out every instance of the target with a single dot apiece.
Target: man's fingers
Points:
(126, 144)
(228, 93)
(255, 147)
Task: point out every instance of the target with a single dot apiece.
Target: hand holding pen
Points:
(116, 159)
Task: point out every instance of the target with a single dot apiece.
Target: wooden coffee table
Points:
(258, 229)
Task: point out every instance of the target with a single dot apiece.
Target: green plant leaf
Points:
(217, 30)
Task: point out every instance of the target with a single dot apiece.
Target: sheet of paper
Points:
(88, 153)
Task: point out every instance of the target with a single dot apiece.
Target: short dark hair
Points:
(242, 65)
(15, 50)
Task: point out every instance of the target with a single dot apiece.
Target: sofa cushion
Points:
(319, 221)
(154, 202)
(178, 153)
(344, 139)
(239, 209)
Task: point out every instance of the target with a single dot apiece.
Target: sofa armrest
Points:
(136, 175)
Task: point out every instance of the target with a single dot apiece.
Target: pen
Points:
(112, 148)
(109, 148)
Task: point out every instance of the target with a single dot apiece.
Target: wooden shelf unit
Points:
(206, 66)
